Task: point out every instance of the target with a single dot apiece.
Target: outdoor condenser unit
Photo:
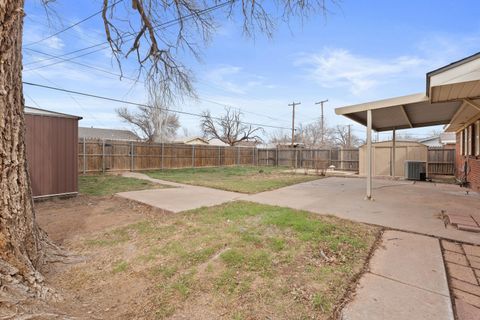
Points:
(415, 170)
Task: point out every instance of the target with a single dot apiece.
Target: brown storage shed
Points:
(51, 141)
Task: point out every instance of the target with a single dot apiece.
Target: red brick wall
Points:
(473, 176)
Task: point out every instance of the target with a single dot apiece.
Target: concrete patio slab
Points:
(411, 259)
(392, 289)
(402, 205)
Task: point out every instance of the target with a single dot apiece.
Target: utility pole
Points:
(293, 105)
(322, 121)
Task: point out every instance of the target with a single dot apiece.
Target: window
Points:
(462, 145)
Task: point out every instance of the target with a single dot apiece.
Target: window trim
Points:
(477, 138)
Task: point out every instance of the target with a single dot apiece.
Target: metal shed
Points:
(382, 157)
(51, 142)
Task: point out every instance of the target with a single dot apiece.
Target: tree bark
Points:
(22, 243)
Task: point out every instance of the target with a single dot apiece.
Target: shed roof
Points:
(49, 113)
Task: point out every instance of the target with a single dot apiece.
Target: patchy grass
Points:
(239, 260)
(105, 185)
(238, 179)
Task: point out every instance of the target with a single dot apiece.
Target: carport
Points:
(452, 98)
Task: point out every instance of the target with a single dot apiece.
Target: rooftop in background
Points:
(107, 134)
(48, 113)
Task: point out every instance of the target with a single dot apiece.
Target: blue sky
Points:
(361, 51)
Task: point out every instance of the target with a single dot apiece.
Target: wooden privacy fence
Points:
(441, 161)
(342, 159)
(111, 155)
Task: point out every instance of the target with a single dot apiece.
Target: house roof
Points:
(452, 97)
(217, 142)
(110, 134)
(190, 139)
(49, 113)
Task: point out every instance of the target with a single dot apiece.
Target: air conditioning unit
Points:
(415, 170)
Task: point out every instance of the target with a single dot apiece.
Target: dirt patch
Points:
(66, 219)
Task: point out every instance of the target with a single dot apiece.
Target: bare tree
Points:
(344, 138)
(314, 136)
(229, 128)
(136, 30)
(151, 122)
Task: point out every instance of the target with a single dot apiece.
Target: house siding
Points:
(473, 162)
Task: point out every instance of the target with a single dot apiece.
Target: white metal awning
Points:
(412, 111)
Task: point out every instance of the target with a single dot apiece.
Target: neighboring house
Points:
(217, 142)
(107, 134)
(432, 141)
(444, 140)
(192, 140)
(448, 140)
(51, 140)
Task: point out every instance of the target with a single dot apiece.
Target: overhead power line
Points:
(105, 43)
(139, 104)
(141, 82)
(73, 25)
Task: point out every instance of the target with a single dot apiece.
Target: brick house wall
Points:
(473, 176)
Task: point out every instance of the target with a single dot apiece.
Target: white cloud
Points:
(54, 43)
(340, 68)
(233, 79)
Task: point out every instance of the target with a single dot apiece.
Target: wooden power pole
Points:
(293, 105)
(322, 121)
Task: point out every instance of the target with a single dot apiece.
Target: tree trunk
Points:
(22, 243)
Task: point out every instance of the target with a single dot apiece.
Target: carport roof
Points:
(412, 111)
(452, 97)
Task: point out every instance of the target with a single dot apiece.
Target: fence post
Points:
(193, 156)
(238, 156)
(218, 154)
(276, 156)
(103, 156)
(296, 158)
(131, 156)
(253, 156)
(161, 160)
(84, 157)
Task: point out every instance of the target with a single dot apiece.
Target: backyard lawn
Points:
(234, 261)
(104, 185)
(238, 179)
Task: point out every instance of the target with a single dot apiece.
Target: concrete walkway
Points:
(397, 205)
(180, 197)
(406, 280)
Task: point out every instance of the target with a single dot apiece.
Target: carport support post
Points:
(369, 155)
(394, 146)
